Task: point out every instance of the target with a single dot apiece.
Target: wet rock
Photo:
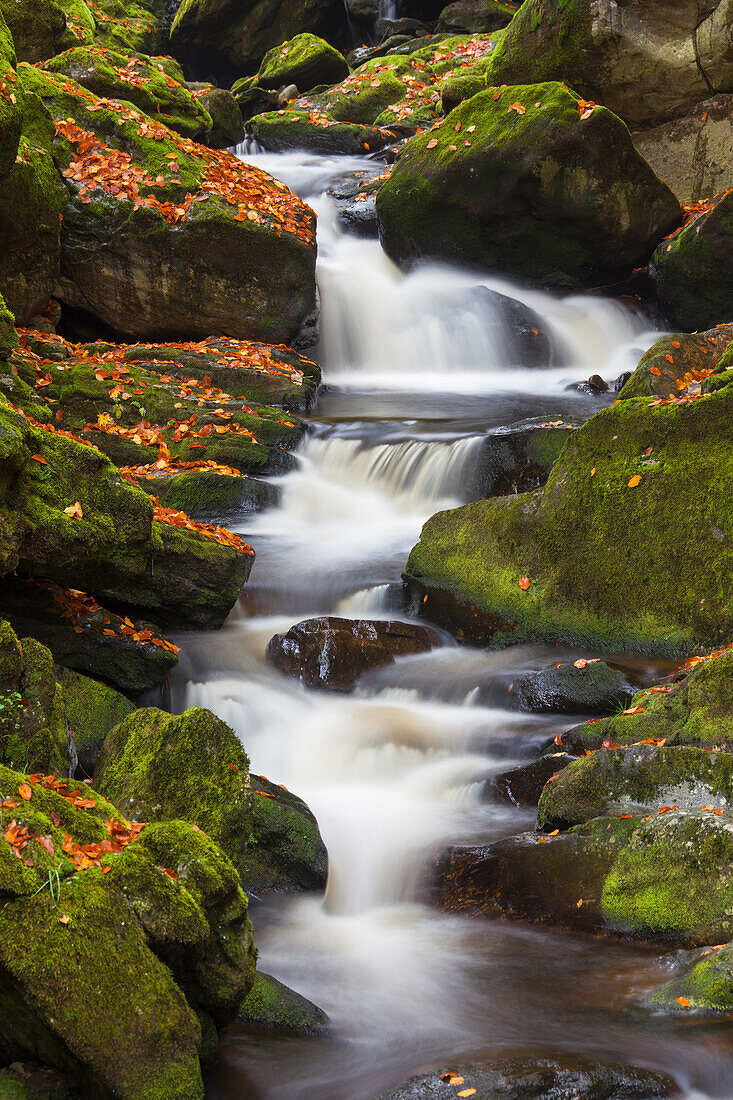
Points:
(663, 877)
(693, 154)
(306, 61)
(227, 124)
(410, 28)
(583, 687)
(671, 357)
(281, 131)
(518, 457)
(275, 1007)
(253, 100)
(702, 986)
(458, 198)
(475, 16)
(523, 786)
(333, 654)
(205, 494)
(636, 780)
(560, 1077)
(29, 1081)
(286, 852)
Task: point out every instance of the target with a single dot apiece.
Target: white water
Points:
(393, 771)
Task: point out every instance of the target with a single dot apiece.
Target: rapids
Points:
(415, 372)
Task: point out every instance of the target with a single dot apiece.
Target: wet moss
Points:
(705, 985)
(272, 1005)
(306, 61)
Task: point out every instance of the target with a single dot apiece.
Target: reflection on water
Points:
(417, 370)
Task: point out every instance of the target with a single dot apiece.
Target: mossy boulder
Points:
(691, 274)
(30, 1081)
(316, 131)
(670, 58)
(272, 1006)
(673, 356)
(195, 242)
(229, 37)
(33, 731)
(130, 27)
(664, 878)
(11, 105)
(516, 180)
(157, 923)
(71, 518)
(518, 457)
(636, 780)
(139, 80)
(580, 687)
(626, 546)
(306, 61)
(374, 88)
(476, 16)
(206, 494)
(696, 710)
(42, 28)
(286, 852)
(702, 985)
(227, 124)
(189, 767)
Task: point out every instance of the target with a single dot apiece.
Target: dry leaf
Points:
(634, 481)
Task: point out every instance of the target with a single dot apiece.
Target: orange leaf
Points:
(580, 663)
(74, 511)
(524, 583)
(683, 1001)
(521, 110)
(669, 358)
(25, 792)
(655, 370)
(39, 458)
(634, 481)
(432, 143)
(63, 919)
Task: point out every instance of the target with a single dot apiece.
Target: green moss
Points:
(128, 26)
(706, 984)
(546, 41)
(370, 90)
(306, 61)
(280, 131)
(588, 539)
(528, 190)
(272, 1005)
(286, 851)
(671, 357)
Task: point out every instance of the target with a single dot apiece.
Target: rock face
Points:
(586, 687)
(166, 929)
(520, 180)
(664, 877)
(636, 780)
(671, 59)
(228, 37)
(629, 506)
(333, 654)
(693, 154)
(694, 290)
(274, 1007)
(194, 243)
(42, 28)
(565, 1077)
(306, 61)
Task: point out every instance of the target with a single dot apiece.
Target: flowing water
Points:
(415, 371)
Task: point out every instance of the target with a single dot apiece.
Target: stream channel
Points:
(416, 371)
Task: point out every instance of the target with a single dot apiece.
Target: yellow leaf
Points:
(634, 481)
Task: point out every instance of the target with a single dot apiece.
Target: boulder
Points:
(523, 786)
(582, 687)
(306, 61)
(164, 932)
(636, 503)
(674, 356)
(520, 180)
(229, 37)
(132, 27)
(702, 986)
(665, 877)
(316, 131)
(671, 59)
(475, 16)
(382, 92)
(286, 852)
(209, 494)
(165, 238)
(333, 654)
(272, 1006)
(227, 124)
(693, 282)
(693, 154)
(553, 1077)
(42, 28)
(518, 457)
(636, 780)
(139, 80)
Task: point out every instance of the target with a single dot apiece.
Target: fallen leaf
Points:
(63, 919)
(634, 481)
(655, 370)
(524, 583)
(25, 792)
(74, 510)
(518, 107)
(432, 143)
(683, 1001)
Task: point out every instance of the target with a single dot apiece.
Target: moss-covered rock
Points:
(580, 687)
(316, 131)
(10, 102)
(665, 877)
(376, 87)
(690, 269)
(227, 124)
(273, 1006)
(165, 238)
(702, 986)
(475, 16)
(139, 80)
(286, 852)
(520, 180)
(673, 356)
(189, 767)
(636, 503)
(670, 60)
(229, 37)
(636, 780)
(129, 26)
(306, 61)
(42, 28)
(157, 923)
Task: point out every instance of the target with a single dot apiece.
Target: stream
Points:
(416, 370)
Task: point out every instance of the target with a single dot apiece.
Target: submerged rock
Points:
(275, 1007)
(333, 654)
(522, 786)
(703, 985)
(520, 180)
(560, 1077)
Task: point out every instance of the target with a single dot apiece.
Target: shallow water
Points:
(416, 370)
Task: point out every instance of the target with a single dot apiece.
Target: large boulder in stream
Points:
(646, 61)
(702, 984)
(552, 1077)
(333, 654)
(163, 238)
(528, 180)
(662, 370)
(118, 942)
(580, 687)
(306, 61)
(627, 546)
